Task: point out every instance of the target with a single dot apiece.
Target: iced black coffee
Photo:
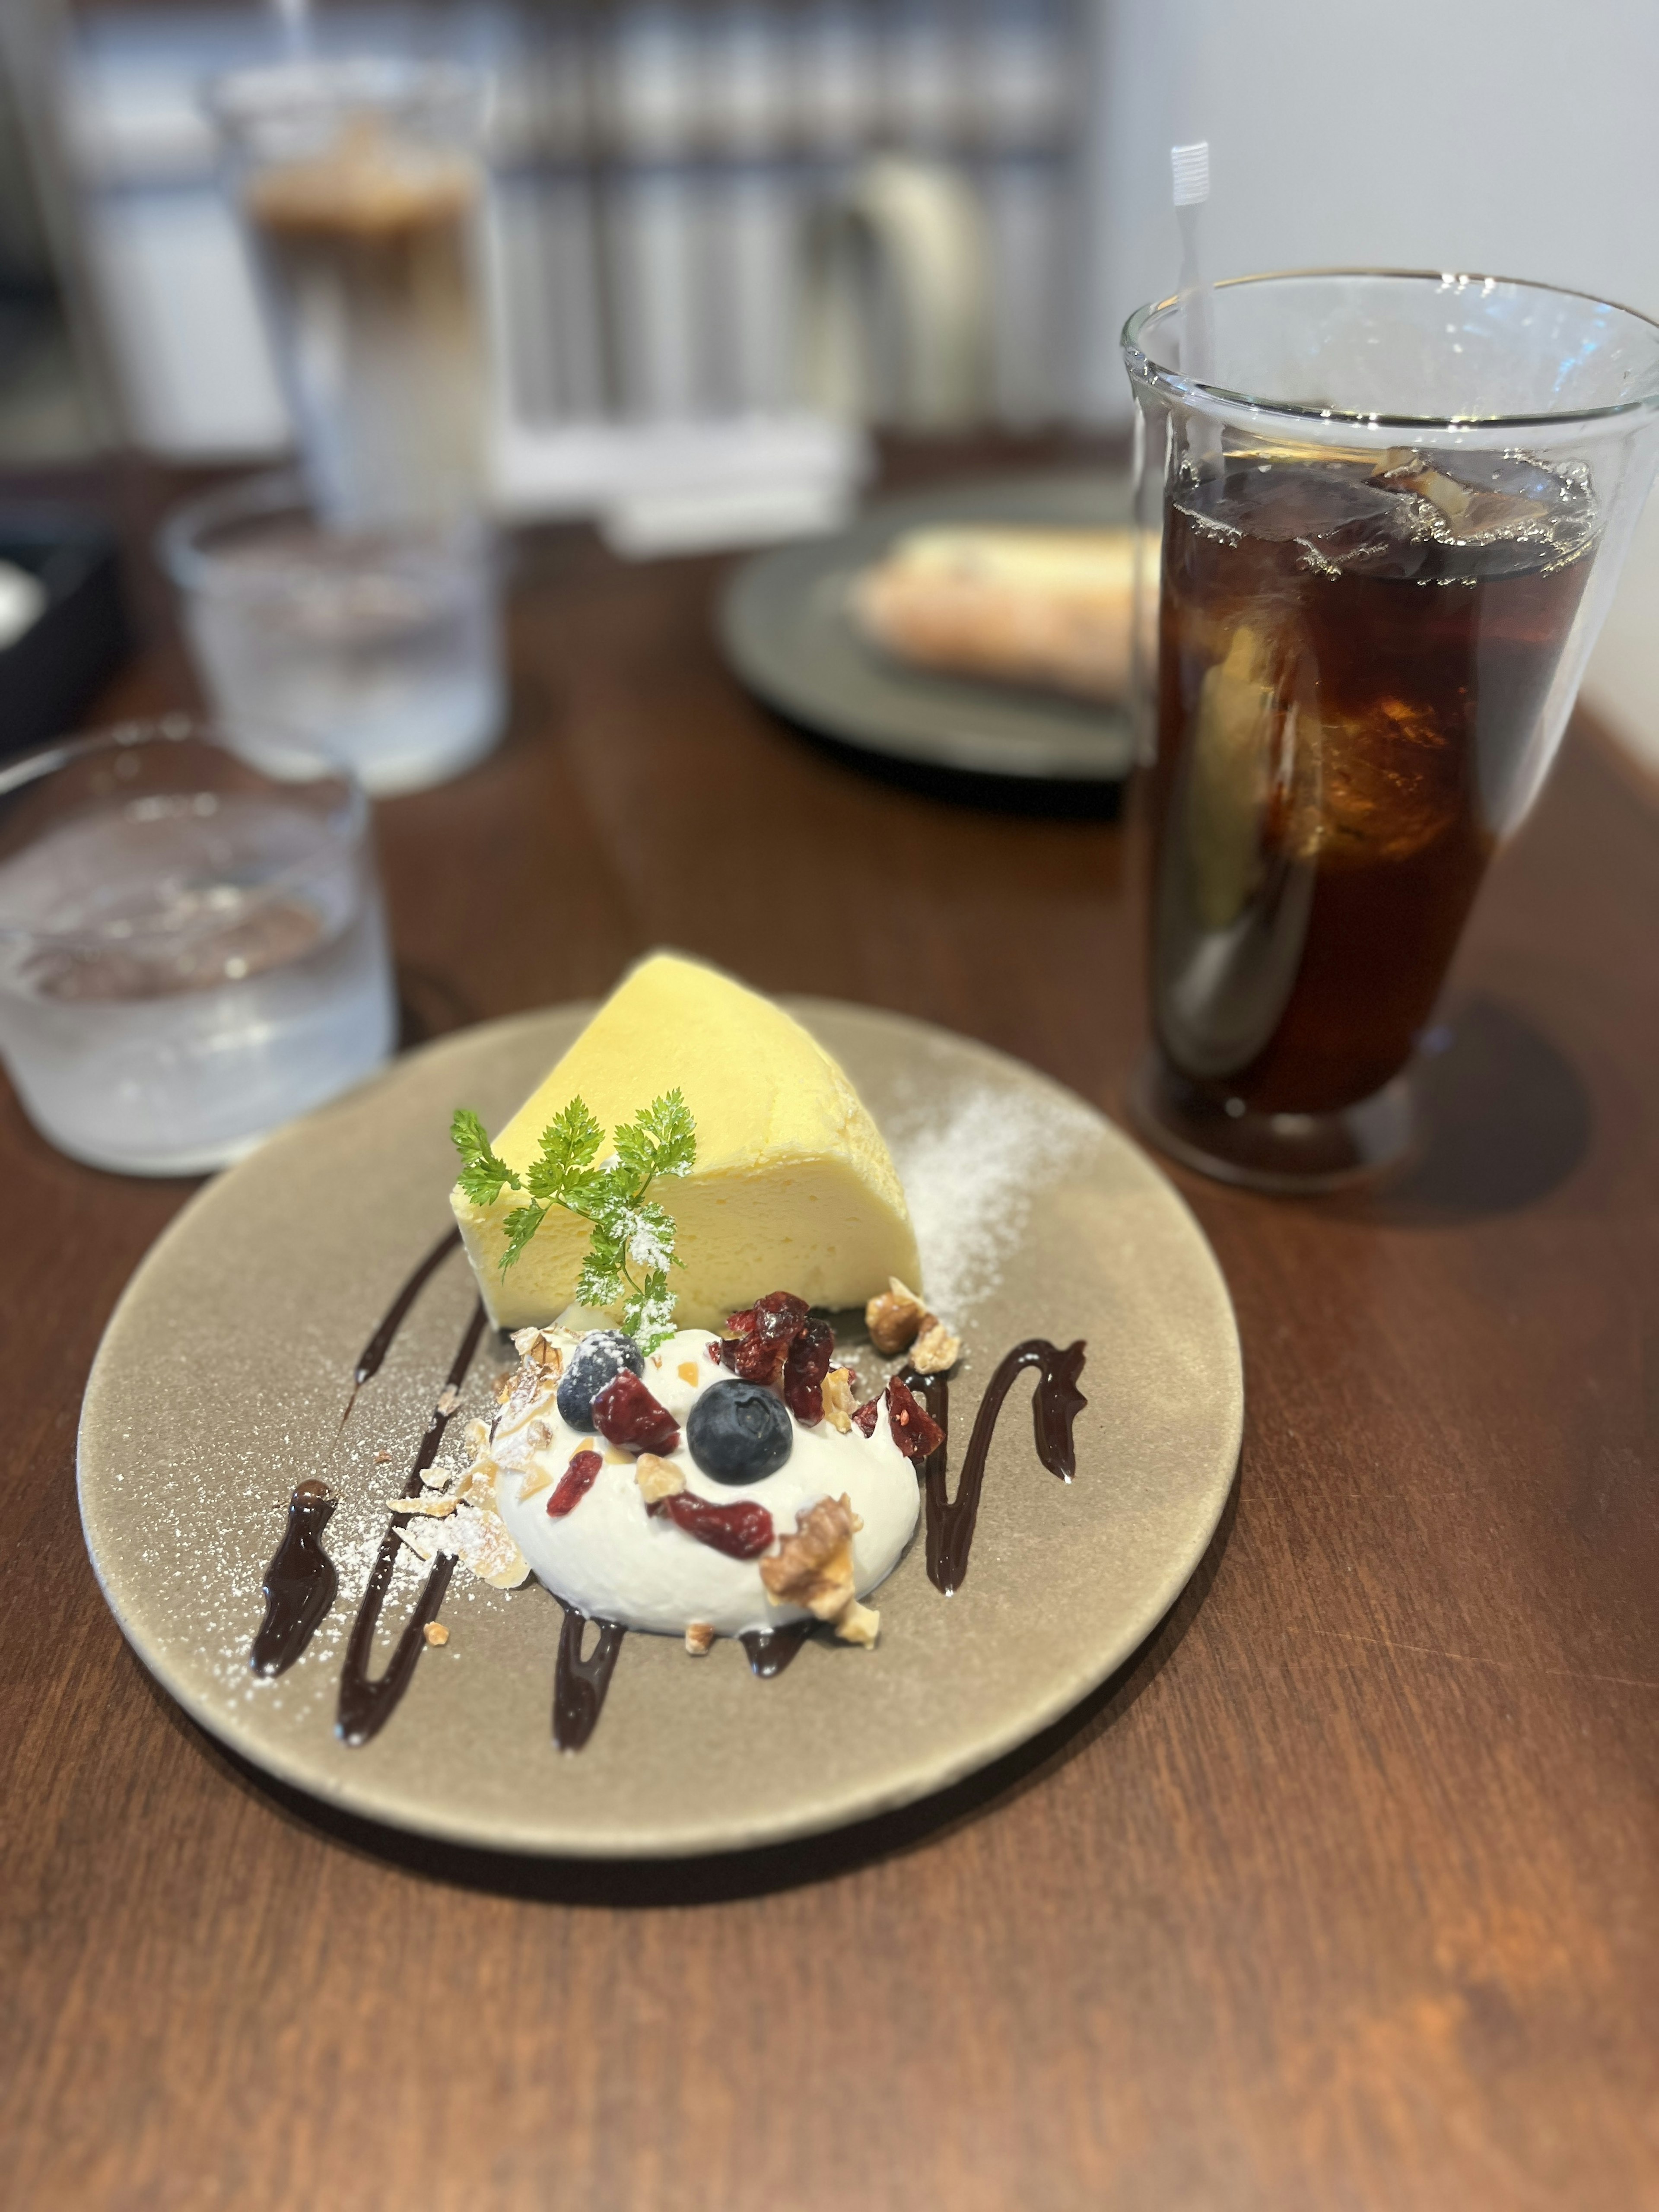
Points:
(1354, 657)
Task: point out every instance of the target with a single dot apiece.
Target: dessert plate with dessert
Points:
(981, 629)
(655, 1475)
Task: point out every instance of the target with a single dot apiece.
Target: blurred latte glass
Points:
(360, 187)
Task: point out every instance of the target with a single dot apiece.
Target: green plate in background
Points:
(788, 633)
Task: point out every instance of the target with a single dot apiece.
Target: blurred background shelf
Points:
(728, 238)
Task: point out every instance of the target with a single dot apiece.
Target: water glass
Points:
(191, 953)
(377, 649)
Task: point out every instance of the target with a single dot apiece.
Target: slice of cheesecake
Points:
(792, 1189)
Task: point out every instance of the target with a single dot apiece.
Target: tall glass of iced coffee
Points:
(1391, 509)
(360, 189)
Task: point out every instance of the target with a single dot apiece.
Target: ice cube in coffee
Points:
(1355, 655)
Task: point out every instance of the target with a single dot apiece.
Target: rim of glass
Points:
(348, 822)
(1140, 363)
(190, 568)
(193, 566)
(264, 92)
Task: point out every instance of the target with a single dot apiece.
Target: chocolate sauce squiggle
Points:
(579, 1684)
(771, 1649)
(366, 1705)
(1056, 1405)
(370, 1359)
(301, 1584)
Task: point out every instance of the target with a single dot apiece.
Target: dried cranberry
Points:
(915, 1432)
(714, 1349)
(574, 1484)
(808, 1364)
(626, 1413)
(759, 1359)
(863, 1417)
(765, 1332)
(779, 1312)
(742, 1531)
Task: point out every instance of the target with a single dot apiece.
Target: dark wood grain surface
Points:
(1343, 1894)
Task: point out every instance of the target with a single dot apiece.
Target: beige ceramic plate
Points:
(221, 1378)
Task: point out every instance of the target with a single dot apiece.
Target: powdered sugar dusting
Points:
(971, 1163)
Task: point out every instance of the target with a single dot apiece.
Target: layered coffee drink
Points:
(368, 253)
(1356, 658)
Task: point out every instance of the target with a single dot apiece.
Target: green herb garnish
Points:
(631, 1231)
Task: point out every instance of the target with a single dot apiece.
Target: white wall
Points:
(1516, 136)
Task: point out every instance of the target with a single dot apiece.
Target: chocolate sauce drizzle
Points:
(301, 1583)
(1056, 1405)
(366, 1704)
(375, 1351)
(580, 1684)
(771, 1649)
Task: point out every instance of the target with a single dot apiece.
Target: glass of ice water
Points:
(378, 649)
(191, 953)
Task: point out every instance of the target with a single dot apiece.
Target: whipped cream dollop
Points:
(611, 1557)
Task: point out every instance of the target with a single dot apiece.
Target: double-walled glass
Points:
(1379, 536)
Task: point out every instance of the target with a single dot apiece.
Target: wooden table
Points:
(1342, 1894)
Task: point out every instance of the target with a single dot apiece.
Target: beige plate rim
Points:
(924, 1776)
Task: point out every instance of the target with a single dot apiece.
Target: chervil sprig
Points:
(631, 1248)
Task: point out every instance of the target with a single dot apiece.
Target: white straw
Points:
(1189, 174)
(294, 16)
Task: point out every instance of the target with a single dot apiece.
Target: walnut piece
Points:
(657, 1478)
(935, 1348)
(814, 1567)
(699, 1635)
(858, 1624)
(838, 1399)
(893, 1318)
(435, 1632)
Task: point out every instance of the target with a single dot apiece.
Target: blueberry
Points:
(738, 1433)
(597, 1360)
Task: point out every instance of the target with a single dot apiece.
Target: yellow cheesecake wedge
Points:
(792, 1189)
